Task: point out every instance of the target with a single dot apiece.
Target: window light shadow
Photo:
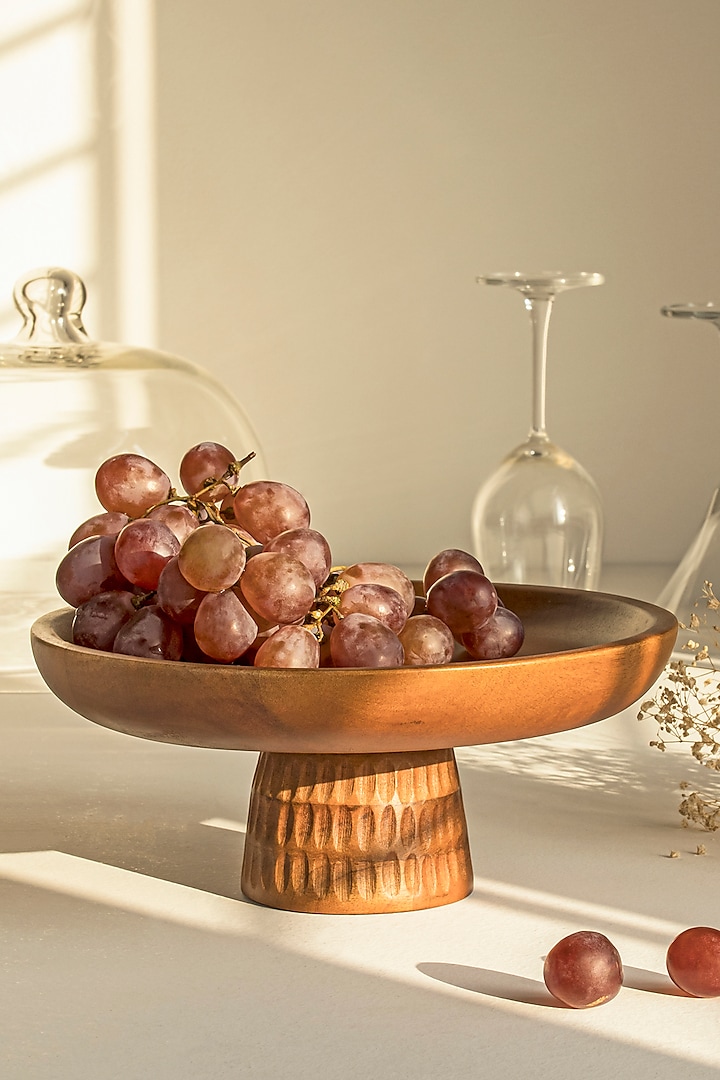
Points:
(24, 25)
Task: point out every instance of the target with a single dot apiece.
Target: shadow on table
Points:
(168, 812)
(606, 770)
(97, 991)
(497, 984)
(651, 981)
(501, 984)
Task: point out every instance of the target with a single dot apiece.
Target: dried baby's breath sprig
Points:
(698, 809)
(696, 624)
(713, 604)
(686, 709)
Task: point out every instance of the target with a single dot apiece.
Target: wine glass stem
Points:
(539, 309)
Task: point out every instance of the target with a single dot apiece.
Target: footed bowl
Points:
(356, 805)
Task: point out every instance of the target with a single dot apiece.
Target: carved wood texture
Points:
(356, 833)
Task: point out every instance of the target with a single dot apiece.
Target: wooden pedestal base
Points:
(356, 833)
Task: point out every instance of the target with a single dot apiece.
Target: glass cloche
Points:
(66, 404)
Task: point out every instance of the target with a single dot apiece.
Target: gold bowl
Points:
(356, 803)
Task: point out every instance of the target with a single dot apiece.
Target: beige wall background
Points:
(328, 178)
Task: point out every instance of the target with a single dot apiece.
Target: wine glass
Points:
(538, 518)
(685, 592)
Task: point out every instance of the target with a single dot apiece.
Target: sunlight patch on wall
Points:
(49, 128)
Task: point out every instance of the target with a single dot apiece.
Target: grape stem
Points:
(140, 599)
(203, 511)
(326, 602)
(233, 470)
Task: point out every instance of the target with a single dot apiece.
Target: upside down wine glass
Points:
(684, 593)
(538, 518)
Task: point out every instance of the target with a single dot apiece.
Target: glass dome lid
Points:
(67, 403)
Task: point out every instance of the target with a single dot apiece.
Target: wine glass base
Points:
(541, 283)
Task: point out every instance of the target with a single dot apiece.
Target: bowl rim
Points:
(46, 629)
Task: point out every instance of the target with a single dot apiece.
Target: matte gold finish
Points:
(348, 752)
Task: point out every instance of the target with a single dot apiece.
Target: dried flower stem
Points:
(686, 709)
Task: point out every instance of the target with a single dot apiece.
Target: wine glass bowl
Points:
(684, 592)
(538, 518)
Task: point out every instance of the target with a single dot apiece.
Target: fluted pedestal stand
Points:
(356, 833)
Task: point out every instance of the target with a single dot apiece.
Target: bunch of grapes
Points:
(232, 573)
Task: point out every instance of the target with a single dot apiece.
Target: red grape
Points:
(497, 639)
(176, 596)
(426, 640)
(263, 624)
(89, 568)
(206, 461)
(107, 524)
(289, 647)
(251, 547)
(212, 558)
(178, 519)
(266, 508)
(374, 573)
(693, 961)
(362, 641)
(227, 508)
(142, 549)
(223, 628)
(248, 657)
(463, 599)
(130, 484)
(278, 587)
(445, 562)
(307, 545)
(98, 620)
(383, 603)
(150, 633)
(583, 970)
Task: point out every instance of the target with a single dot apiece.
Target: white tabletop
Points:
(127, 950)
